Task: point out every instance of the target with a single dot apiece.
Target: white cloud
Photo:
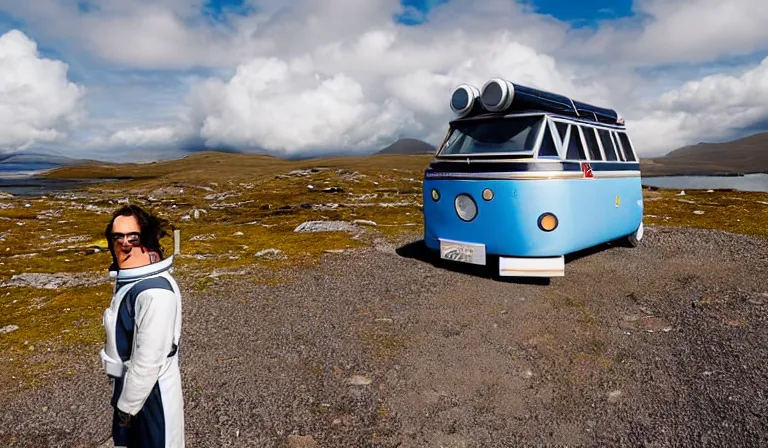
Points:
(689, 31)
(135, 136)
(310, 76)
(37, 101)
(703, 110)
(286, 106)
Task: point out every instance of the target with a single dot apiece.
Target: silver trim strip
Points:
(538, 175)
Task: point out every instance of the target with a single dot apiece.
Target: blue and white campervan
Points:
(530, 176)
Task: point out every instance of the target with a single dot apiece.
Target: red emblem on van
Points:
(586, 169)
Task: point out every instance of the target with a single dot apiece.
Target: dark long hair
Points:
(153, 229)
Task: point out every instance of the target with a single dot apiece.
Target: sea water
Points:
(22, 179)
(748, 182)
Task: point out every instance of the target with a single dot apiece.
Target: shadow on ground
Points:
(418, 250)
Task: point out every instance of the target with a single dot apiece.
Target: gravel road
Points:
(664, 344)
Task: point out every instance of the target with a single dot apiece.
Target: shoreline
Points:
(32, 184)
(707, 174)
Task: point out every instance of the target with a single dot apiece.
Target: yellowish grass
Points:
(738, 212)
(245, 204)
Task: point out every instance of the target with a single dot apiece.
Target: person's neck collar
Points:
(143, 271)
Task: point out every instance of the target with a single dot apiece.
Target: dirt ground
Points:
(660, 345)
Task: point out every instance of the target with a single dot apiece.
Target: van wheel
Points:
(633, 240)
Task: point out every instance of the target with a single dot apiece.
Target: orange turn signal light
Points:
(547, 222)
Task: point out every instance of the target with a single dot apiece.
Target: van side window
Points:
(605, 139)
(615, 140)
(547, 148)
(575, 148)
(589, 137)
(628, 153)
(561, 129)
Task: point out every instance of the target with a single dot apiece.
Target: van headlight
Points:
(547, 222)
(465, 207)
(435, 195)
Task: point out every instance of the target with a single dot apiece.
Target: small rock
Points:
(364, 222)
(325, 226)
(53, 281)
(614, 396)
(698, 212)
(385, 320)
(359, 380)
(204, 237)
(736, 323)
(238, 234)
(196, 214)
(652, 324)
(8, 328)
(333, 190)
(267, 252)
(219, 196)
(294, 441)
(705, 301)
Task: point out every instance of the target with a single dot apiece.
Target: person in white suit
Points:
(143, 328)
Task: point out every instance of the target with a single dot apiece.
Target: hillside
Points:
(745, 155)
(409, 146)
(41, 157)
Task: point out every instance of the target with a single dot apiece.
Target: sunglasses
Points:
(132, 238)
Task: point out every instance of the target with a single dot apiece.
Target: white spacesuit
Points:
(143, 327)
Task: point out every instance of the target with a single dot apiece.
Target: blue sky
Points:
(217, 8)
(583, 12)
(578, 13)
(144, 78)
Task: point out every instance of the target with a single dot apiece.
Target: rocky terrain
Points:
(313, 316)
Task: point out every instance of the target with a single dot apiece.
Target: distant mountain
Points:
(41, 158)
(25, 164)
(408, 146)
(745, 155)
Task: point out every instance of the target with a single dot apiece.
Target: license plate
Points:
(462, 252)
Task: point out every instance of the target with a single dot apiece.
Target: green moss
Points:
(382, 343)
(266, 206)
(560, 299)
(738, 212)
(71, 315)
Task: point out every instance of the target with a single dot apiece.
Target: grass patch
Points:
(53, 325)
(741, 212)
(71, 315)
(229, 207)
(382, 343)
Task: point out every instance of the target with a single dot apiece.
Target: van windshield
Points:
(498, 135)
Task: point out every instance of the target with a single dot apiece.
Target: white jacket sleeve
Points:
(155, 315)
